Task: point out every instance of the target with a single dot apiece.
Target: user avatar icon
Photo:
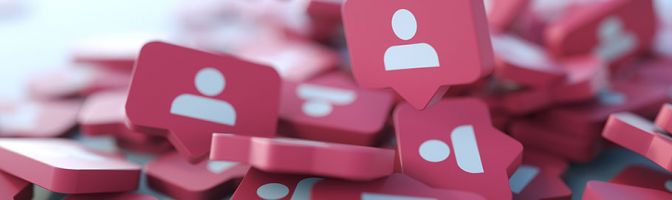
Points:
(615, 40)
(466, 150)
(320, 100)
(409, 56)
(209, 82)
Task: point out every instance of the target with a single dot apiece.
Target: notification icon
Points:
(452, 145)
(189, 95)
(417, 48)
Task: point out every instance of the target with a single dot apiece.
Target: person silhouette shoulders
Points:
(614, 40)
(409, 56)
(209, 82)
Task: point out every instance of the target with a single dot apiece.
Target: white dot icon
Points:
(210, 81)
(404, 24)
(434, 150)
(272, 191)
(464, 144)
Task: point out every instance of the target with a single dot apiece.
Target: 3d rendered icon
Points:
(452, 145)
(331, 108)
(209, 82)
(320, 100)
(614, 40)
(642, 136)
(408, 56)
(66, 166)
(419, 49)
(614, 30)
(466, 150)
(189, 94)
(298, 156)
(540, 177)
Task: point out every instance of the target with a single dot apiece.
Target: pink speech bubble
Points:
(453, 145)
(614, 31)
(65, 166)
(331, 108)
(417, 48)
(290, 155)
(191, 94)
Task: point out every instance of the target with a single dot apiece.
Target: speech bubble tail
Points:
(421, 98)
(191, 148)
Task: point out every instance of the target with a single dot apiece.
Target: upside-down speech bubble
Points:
(417, 48)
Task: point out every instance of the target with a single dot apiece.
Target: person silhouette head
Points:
(210, 82)
(404, 25)
(408, 56)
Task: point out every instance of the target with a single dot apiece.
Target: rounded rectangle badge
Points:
(190, 94)
(417, 48)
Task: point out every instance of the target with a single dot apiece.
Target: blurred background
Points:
(40, 40)
(37, 35)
